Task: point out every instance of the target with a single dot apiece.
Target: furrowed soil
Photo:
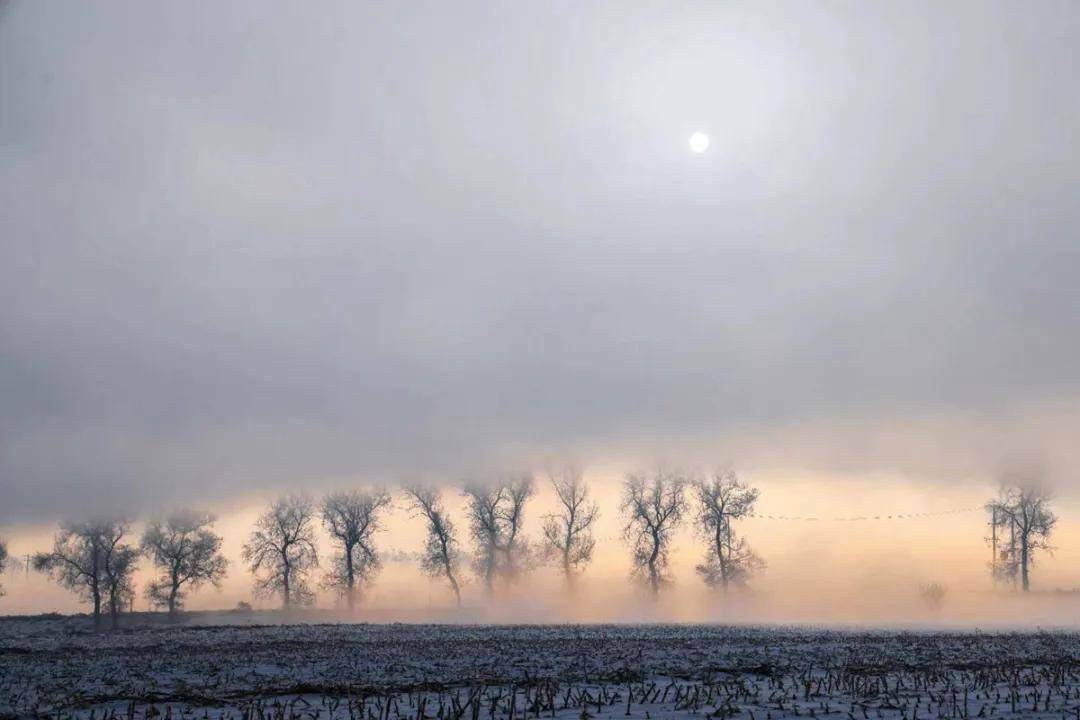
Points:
(59, 668)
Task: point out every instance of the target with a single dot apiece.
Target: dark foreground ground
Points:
(57, 668)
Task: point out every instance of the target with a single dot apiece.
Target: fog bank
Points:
(820, 571)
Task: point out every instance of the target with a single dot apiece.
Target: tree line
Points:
(97, 559)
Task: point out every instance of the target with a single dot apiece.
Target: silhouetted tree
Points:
(1023, 508)
(352, 519)
(516, 551)
(76, 563)
(440, 556)
(281, 550)
(121, 561)
(91, 560)
(722, 498)
(653, 506)
(3, 563)
(483, 503)
(568, 533)
(186, 553)
(496, 512)
(933, 596)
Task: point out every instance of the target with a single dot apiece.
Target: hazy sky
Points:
(250, 246)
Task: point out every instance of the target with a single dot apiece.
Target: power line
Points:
(861, 518)
(857, 518)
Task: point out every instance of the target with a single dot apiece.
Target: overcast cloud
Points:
(255, 245)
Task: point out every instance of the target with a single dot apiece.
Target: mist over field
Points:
(841, 572)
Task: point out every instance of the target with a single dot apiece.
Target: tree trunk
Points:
(567, 543)
(350, 579)
(97, 607)
(719, 540)
(114, 609)
(95, 587)
(286, 572)
(454, 585)
(174, 588)
(489, 571)
(1024, 543)
(654, 576)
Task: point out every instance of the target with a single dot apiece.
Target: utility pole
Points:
(995, 569)
(1012, 552)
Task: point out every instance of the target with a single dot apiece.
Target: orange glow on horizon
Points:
(818, 571)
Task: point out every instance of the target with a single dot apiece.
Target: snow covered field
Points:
(385, 672)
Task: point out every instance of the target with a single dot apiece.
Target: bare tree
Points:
(653, 506)
(1023, 510)
(121, 560)
(76, 563)
(484, 503)
(933, 595)
(515, 549)
(496, 512)
(352, 519)
(440, 558)
(3, 563)
(568, 533)
(91, 560)
(281, 550)
(187, 554)
(721, 499)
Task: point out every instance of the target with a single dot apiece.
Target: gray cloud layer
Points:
(262, 244)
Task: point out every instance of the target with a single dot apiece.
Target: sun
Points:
(699, 142)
